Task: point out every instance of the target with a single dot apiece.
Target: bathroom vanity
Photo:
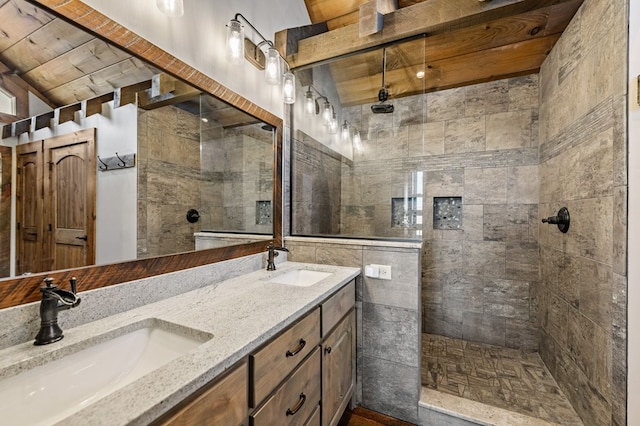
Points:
(263, 348)
(285, 380)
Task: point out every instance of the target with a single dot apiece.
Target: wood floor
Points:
(363, 417)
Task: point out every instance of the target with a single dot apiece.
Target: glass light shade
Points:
(333, 125)
(327, 113)
(309, 103)
(357, 141)
(272, 73)
(345, 133)
(289, 88)
(172, 8)
(235, 41)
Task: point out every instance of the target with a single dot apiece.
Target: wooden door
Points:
(29, 209)
(6, 166)
(70, 199)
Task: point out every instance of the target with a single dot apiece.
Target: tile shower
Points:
(514, 151)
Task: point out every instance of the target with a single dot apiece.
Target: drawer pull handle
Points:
(292, 411)
(297, 349)
(327, 350)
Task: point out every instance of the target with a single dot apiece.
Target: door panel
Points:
(56, 199)
(29, 205)
(71, 199)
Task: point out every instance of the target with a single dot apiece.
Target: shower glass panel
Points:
(357, 142)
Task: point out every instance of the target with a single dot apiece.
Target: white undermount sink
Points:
(54, 390)
(300, 277)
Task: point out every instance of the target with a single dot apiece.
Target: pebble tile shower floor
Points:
(505, 378)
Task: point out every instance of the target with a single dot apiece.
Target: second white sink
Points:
(54, 390)
(300, 277)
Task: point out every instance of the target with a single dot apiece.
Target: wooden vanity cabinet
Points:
(224, 402)
(303, 377)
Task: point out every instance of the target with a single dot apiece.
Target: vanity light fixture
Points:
(357, 141)
(333, 125)
(171, 8)
(238, 47)
(310, 104)
(327, 112)
(345, 133)
(289, 88)
(272, 73)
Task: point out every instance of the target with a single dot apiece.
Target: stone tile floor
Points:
(506, 378)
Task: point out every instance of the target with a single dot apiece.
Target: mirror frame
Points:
(25, 289)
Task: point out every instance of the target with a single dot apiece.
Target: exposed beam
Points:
(94, 105)
(19, 88)
(504, 61)
(370, 21)
(129, 94)
(166, 90)
(431, 17)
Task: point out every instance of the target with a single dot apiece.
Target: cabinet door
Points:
(224, 403)
(337, 370)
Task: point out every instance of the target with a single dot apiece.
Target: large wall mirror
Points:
(206, 173)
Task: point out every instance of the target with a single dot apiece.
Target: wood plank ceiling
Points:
(58, 62)
(465, 42)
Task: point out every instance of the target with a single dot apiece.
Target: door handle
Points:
(82, 238)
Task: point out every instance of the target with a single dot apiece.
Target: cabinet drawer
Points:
(337, 306)
(275, 361)
(294, 401)
(224, 403)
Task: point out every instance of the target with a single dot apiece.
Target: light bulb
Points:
(235, 41)
(345, 132)
(333, 125)
(357, 142)
(289, 88)
(171, 8)
(326, 113)
(272, 74)
(309, 103)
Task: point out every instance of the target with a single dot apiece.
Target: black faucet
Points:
(54, 300)
(271, 266)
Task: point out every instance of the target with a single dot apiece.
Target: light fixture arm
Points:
(246, 21)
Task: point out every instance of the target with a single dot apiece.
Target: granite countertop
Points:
(241, 314)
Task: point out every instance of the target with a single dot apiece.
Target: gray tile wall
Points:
(316, 187)
(237, 171)
(480, 143)
(388, 322)
(581, 299)
(168, 180)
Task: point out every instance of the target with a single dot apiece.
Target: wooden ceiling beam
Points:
(20, 88)
(166, 90)
(430, 17)
(500, 62)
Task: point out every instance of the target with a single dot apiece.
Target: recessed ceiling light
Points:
(420, 74)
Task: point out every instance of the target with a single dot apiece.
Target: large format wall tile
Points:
(583, 144)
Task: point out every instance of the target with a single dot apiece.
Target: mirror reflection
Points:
(115, 161)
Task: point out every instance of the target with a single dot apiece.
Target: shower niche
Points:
(447, 213)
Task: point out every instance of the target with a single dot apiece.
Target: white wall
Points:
(198, 38)
(116, 191)
(633, 357)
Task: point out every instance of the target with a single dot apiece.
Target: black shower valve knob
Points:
(562, 220)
